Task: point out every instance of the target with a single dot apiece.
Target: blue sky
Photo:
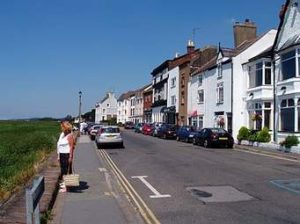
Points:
(49, 50)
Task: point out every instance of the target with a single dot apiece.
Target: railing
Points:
(33, 196)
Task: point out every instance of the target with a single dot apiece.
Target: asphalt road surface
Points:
(183, 183)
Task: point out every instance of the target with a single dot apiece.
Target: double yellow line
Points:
(141, 206)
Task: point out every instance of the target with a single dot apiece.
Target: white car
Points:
(94, 130)
(109, 135)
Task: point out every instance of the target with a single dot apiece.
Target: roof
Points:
(105, 98)
(161, 67)
(294, 40)
(228, 53)
(125, 96)
(265, 54)
(183, 59)
(282, 17)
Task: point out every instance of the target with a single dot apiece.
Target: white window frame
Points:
(220, 70)
(173, 100)
(200, 91)
(173, 82)
(200, 80)
(296, 57)
(220, 86)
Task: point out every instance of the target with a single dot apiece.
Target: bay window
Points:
(287, 115)
(260, 115)
(288, 65)
(260, 74)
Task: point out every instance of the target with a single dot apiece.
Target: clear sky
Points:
(49, 50)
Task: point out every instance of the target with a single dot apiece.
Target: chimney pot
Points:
(190, 47)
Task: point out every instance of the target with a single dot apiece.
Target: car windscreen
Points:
(96, 127)
(110, 130)
(170, 127)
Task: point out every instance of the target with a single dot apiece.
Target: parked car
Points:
(186, 133)
(93, 131)
(129, 125)
(147, 129)
(209, 137)
(167, 131)
(156, 126)
(138, 127)
(109, 135)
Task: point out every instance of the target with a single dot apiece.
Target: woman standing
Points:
(65, 151)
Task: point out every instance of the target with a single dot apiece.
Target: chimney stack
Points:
(190, 47)
(244, 31)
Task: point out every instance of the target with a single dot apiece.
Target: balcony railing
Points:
(159, 103)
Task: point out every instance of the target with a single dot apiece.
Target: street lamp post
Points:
(79, 118)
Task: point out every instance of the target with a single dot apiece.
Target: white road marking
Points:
(102, 170)
(155, 192)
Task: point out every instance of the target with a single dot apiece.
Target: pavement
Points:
(98, 199)
(268, 152)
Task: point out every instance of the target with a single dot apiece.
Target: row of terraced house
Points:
(255, 84)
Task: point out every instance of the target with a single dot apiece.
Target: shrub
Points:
(290, 141)
(263, 135)
(252, 137)
(243, 134)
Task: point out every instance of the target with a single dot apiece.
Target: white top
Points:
(63, 145)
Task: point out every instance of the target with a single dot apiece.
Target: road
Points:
(191, 184)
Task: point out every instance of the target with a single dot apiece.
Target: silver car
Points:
(109, 135)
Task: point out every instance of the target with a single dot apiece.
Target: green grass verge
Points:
(23, 144)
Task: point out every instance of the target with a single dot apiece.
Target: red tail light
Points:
(214, 136)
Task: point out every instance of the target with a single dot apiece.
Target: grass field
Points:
(23, 144)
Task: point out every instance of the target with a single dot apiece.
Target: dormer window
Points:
(220, 70)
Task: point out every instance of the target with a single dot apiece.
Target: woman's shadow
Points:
(82, 186)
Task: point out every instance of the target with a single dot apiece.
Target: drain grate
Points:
(209, 194)
(202, 194)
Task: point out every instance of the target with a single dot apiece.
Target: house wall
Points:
(240, 79)
(110, 106)
(193, 104)
(184, 73)
(210, 95)
(173, 91)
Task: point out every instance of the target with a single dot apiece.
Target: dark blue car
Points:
(186, 133)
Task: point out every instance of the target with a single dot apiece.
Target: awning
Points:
(193, 113)
(171, 109)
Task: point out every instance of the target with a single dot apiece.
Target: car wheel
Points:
(206, 144)
(230, 146)
(122, 145)
(194, 141)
